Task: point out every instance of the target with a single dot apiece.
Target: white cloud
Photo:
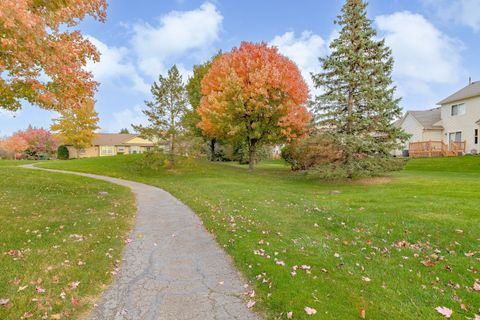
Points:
(425, 58)
(304, 51)
(124, 119)
(421, 51)
(177, 34)
(114, 64)
(464, 12)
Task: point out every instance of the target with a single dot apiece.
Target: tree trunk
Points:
(212, 149)
(349, 155)
(172, 149)
(252, 152)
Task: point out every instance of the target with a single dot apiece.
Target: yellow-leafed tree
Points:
(76, 126)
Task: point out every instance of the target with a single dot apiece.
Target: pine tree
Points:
(358, 106)
(166, 110)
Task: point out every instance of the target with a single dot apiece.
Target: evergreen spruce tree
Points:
(166, 110)
(358, 106)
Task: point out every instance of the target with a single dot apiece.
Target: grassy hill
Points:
(395, 247)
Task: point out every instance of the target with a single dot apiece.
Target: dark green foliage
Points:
(358, 107)
(62, 153)
(166, 111)
(124, 131)
(194, 93)
(153, 159)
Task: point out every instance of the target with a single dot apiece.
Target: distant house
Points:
(111, 144)
(450, 129)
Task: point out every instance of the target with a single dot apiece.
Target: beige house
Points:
(111, 144)
(450, 129)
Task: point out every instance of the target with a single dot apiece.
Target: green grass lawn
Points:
(60, 241)
(395, 247)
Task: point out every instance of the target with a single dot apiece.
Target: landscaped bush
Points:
(317, 155)
(364, 167)
(153, 159)
(310, 152)
(62, 153)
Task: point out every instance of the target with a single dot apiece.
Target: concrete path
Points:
(173, 268)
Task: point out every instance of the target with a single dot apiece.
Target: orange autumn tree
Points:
(41, 59)
(254, 95)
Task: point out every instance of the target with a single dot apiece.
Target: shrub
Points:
(310, 152)
(153, 160)
(364, 167)
(62, 152)
(318, 155)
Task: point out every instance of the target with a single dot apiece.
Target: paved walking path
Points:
(173, 269)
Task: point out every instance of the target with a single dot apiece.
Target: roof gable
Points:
(470, 91)
(428, 119)
(111, 139)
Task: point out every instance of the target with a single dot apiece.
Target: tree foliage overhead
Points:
(253, 95)
(165, 112)
(41, 61)
(358, 106)
(76, 127)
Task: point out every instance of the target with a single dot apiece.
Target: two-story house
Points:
(450, 129)
(461, 116)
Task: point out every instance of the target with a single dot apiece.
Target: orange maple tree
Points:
(254, 95)
(41, 59)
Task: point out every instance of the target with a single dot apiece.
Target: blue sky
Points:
(435, 44)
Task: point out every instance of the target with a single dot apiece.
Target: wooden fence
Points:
(436, 149)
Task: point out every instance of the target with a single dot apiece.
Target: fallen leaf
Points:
(74, 285)
(362, 313)
(428, 263)
(40, 290)
(289, 315)
(4, 302)
(446, 312)
(476, 286)
(74, 301)
(310, 311)
(250, 304)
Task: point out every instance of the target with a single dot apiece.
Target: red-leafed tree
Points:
(254, 95)
(15, 145)
(42, 59)
(32, 142)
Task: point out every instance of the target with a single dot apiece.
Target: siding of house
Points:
(462, 123)
(85, 153)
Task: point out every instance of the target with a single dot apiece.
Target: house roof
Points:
(112, 139)
(429, 119)
(470, 91)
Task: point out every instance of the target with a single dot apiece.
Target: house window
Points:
(81, 152)
(455, 136)
(458, 109)
(120, 149)
(476, 136)
(106, 150)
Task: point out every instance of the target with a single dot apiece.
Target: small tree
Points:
(194, 92)
(63, 153)
(76, 127)
(254, 95)
(15, 144)
(166, 110)
(124, 131)
(358, 107)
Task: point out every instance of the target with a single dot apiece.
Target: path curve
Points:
(173, 269)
